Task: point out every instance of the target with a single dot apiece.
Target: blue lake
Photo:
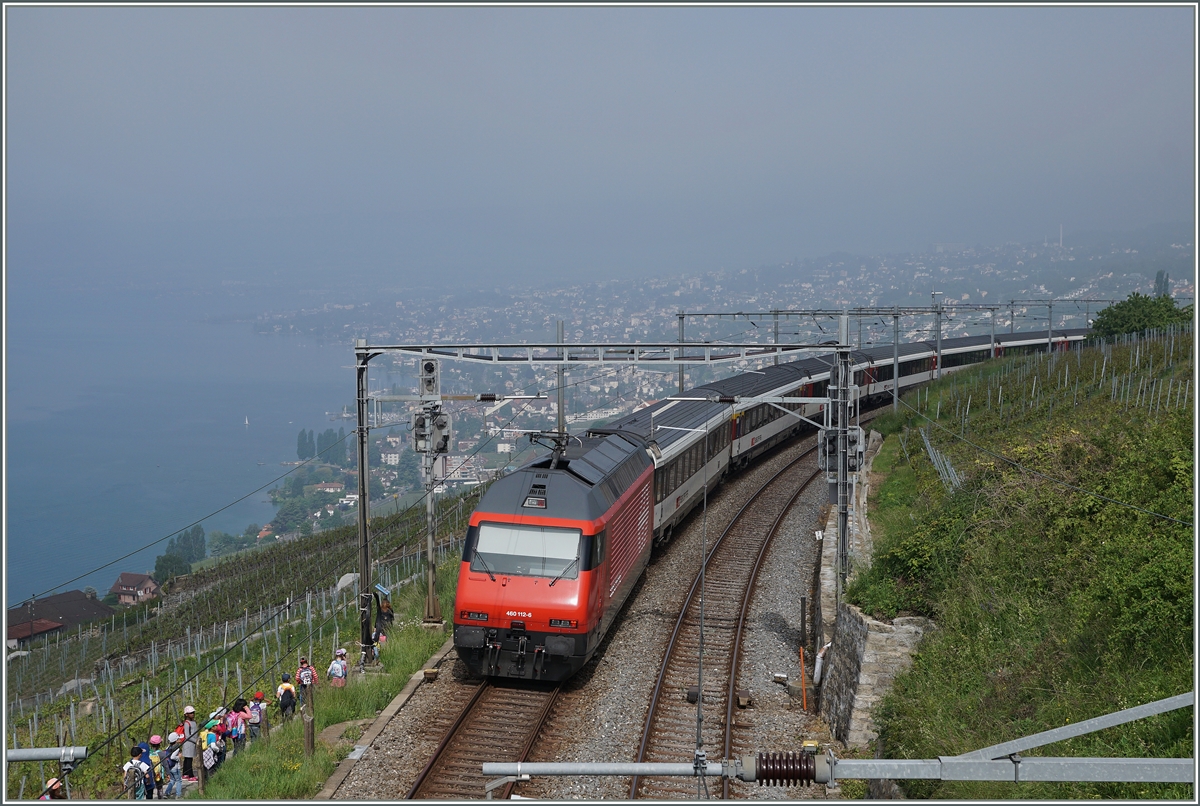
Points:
(125, 421)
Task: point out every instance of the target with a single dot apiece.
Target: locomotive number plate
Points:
(519, 614)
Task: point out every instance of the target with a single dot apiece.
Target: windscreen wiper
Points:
(564, 571)
(483, 562)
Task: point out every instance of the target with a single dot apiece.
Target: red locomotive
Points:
(551, 554)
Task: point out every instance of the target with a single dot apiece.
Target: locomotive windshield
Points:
(537, 551)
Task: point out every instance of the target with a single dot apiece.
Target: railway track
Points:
(730, 569)
(498, 723)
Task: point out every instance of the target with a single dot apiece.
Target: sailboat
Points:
(247, 422)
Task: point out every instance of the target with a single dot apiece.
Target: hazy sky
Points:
(465, 143)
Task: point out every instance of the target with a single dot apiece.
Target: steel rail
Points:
(506, 793)
(737, 640)
(437, 753)
(464, 721)
(655, 696)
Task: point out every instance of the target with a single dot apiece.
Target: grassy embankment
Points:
(277, 768)
(1053, 606)
(208, 674)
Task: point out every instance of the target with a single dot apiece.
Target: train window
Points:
(660, 482)
(916, 366)
(540, 551)
(599, 548)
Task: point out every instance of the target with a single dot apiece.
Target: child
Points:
(258, 710)
(337, 669)
(286, 694)
(133, 775)
(306, 681)
(174, 765)
(158, 766)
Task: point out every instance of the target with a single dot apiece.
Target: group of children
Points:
(157, 772)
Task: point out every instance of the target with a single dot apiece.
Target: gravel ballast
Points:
(601, 711)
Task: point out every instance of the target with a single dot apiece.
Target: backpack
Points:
(305, 676)
(135, 782)
(336, 669)
(255, 713)
(287, 700)
(158, 764)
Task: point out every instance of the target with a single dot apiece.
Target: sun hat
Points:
(258, 695)
(53, 783)
(212, 723)
(156, 739)
(341, 652)
(173, 737)
(189, 710)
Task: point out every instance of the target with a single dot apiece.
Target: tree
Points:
(302, 450)
(341, 454)
(189, 544)
(169, 566)
(1138, 313)
(221, 543)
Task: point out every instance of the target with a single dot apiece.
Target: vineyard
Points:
(1039, 510)
(222, 631)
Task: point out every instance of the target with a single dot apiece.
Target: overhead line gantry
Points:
(517, 354)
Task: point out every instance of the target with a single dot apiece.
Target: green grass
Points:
(277, 769)
(1052, 606)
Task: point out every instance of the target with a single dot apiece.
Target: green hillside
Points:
(1059, 572)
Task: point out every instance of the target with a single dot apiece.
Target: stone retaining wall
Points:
(865, 655)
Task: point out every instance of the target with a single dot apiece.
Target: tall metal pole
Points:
(937, 313)
(433, 608)
(562, 392)
(681, 342)
(1012, 317)
(367, 644)
(1049, 327)
(843, 414)
(992, 344)
(896, 360)
(776, 315)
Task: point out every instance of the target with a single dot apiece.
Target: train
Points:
(555, 548)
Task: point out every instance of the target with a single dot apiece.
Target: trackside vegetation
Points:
(1052, 605)
(130, 677)
(277, 769)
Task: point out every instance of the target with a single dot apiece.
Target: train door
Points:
(603, 595)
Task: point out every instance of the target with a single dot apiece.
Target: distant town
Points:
(487, 439)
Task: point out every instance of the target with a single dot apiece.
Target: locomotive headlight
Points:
(562, 622)
(467, 614)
